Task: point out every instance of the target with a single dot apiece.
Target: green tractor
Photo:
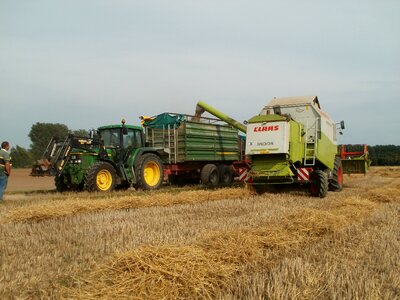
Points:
(114, 157)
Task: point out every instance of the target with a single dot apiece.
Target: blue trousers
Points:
(3, 185)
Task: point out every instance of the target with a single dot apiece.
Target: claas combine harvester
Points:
(291, 141)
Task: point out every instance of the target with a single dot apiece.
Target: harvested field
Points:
(21, 181)
(205, 244)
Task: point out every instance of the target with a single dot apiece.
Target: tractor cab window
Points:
(133, 139)
(111, 137)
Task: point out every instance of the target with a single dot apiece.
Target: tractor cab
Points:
(120, 140)
(121, 136)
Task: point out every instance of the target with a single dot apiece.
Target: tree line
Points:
(41, 133)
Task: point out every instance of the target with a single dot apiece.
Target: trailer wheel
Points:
(209, 175)
(60, 184)
(101, 177)
(225, 175)
(318, 184)
(149, 171)
(336, 183)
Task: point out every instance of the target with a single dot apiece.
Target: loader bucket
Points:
(42, 167)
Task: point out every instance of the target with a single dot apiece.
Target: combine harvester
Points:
(291, 141)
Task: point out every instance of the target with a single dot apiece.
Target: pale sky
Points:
(89, 63)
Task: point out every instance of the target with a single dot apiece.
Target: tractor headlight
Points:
(75, 159)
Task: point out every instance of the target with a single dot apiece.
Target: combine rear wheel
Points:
(336, 183)
(149, 172)
(100, 177)
(318, 184)
(210, 176)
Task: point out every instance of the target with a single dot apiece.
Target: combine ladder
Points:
(311, 142)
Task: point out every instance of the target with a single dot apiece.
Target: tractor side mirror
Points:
(342, 125)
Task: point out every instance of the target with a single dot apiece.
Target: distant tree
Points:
(41, 134)
(21, 157)
(80, 132)
(385, 155)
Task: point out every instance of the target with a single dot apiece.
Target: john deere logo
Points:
(85, 142)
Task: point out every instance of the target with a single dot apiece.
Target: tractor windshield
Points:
(111, 137)
(132, 139)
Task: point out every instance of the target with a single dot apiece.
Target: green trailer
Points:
(197, 149)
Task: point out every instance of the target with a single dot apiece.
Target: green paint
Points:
(194, 141)
(326, 151)
(266, 118)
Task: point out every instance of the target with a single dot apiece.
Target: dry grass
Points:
(187, 245)
(77, 205)
(207, 267)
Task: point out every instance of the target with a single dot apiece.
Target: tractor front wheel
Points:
(60, 184)
(318, 184)
(149, 172)
(101, 177)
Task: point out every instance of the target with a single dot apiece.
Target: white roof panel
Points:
(313, 100)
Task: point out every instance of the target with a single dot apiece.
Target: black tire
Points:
(101, 177)
(225, 175)
(209, 175)
(60, 184)
(318, 184)
(123, 186)
(336, 183)
(149, 172)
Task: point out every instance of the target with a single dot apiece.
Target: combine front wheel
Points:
(318, 184)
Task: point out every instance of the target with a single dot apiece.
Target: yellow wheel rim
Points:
(152, 173)
(104, 180)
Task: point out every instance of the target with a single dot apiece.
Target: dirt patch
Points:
(20, 181)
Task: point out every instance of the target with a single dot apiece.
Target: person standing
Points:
(5, 167)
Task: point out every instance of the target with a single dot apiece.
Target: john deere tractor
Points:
(114, 157)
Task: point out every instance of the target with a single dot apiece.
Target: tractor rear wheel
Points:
(318, 184)
(336, 183)
(225, 175)
(101, 177)
(209, 175)
(149, 172)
